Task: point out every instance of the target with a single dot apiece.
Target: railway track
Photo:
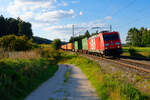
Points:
(126, 63)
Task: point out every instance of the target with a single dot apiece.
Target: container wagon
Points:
(84, 45)
(69, 46)
(78, 46)
(64, 47)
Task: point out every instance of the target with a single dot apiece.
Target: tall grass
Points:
(107, 85)
(23, 71)
(20, 54)
(19, 77)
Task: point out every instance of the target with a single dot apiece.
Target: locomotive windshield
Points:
(111, 37)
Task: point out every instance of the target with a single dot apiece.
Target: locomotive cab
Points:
(112, 44)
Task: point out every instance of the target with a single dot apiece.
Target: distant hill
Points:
(63, 42)
(40, 40)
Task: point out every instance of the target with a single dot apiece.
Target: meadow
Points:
(109, 85)
(139, 51)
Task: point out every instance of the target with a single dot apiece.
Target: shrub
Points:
(132, 51)
(49, 53)
(16, 43)
(56, 44)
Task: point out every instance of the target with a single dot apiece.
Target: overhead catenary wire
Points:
(116, 13)
(127, 6)
(124, 7)
(138, 19)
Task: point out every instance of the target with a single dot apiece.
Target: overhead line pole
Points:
(73, 33)
(73, 30)
(110, 28)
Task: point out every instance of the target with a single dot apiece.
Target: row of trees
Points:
(138, 37)
(86, 34)
(15, 26)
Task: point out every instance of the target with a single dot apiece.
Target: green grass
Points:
(107, 85)
(67, 75)
(140, 51)
(20, 77)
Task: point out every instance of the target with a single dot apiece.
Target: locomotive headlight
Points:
(117, 43)
(106, 44)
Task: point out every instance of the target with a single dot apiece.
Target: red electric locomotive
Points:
(105, 43)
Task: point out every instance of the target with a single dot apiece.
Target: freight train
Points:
(105, 43)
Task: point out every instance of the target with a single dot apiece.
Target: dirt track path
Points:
(71, 86)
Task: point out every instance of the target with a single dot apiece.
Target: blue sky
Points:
(53, 19)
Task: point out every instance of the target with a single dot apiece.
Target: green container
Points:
(78, 45)
(85, 43)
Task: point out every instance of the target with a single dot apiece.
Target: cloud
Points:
(75, 2)
(2, 9)
(80, 13)
(65, 31)
(45, 18)
(41, 11)
(20, 6)
(54, 16)
(59, 27)
(108, 18)
(27, 15)
(64, 3)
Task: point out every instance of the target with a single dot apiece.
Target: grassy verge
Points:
(108, 85)
(19, 77)
(140, 51)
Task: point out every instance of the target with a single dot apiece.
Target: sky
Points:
(53, 19)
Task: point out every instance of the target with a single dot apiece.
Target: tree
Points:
(25, 29)
(17, 27)
(71, 39)
(87, 34)
(93, 34)
(56, 44)
(3, 26)
(129, 37)
(138, 37)
(12, 26)
(134, 37)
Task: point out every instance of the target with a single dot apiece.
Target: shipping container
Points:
(78, 45)
(65, 47)
(62, 46)
(70, 46)
(85, 44)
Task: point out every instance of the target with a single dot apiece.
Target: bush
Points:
(16, 43)
(49, 53)
(56, 44)
(132, 51)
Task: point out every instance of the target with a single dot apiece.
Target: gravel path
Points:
(68, 83)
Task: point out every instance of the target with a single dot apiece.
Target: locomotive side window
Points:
(111, 37)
